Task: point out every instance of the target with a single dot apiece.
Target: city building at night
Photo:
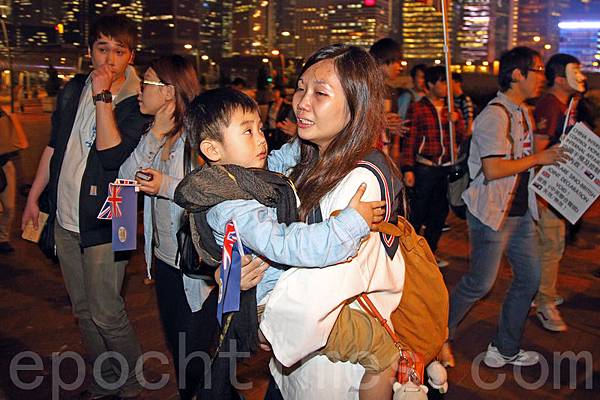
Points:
(582, 40)
(538, 24)
(253, 27)
(310, 25)
(484, 29)
(33, 23)
(422, 31)
(171, 26)
(359, 22)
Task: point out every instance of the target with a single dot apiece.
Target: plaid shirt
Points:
(425, 138)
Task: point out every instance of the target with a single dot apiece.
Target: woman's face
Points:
(320, 104)
(152, 96)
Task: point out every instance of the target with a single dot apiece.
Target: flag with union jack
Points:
(120, 207)
(230, 272)
(123, 203)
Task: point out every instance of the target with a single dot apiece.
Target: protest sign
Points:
(572, 187)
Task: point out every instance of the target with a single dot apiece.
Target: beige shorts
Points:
(359, 338)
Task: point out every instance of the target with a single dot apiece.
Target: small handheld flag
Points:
(121, 208)
(230, 272)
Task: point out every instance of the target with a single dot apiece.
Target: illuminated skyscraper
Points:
(538, 23)
(422, 31)
(311, 26)
(33, 23)
(252, 27)
(210, 41)
(484, 29)
(285, 11)
(582, 39)
(171, 26)
(359, 22)
(78, 15)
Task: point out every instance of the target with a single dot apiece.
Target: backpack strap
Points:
(508, 133)
(389, 187)
(509, 128)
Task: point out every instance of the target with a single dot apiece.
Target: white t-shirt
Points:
(81, 140)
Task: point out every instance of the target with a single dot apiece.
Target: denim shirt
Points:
(147, 154)
(489, 201)
(300, 245)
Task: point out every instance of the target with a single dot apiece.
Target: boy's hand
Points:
(151, 187)
(253, 270)
(372, 211)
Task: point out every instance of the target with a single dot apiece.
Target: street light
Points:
(204, 57)
(536, 38)
(187, 46)
(547, 46)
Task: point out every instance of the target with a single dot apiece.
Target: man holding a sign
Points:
(554, 116)
(501, 208)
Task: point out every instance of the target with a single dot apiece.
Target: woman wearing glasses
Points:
(157, 163)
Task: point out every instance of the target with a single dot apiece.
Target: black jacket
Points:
(102, 166)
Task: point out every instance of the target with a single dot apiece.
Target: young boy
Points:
(227, 130)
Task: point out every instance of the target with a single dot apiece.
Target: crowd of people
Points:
(310, 185)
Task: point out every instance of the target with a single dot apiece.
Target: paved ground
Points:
(36, 317)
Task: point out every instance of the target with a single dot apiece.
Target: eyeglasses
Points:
(540, 69)
(151, 83)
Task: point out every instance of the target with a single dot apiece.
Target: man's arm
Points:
(107, 132)
(496, 167)
(32, 209)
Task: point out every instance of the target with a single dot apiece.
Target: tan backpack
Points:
(421, 319)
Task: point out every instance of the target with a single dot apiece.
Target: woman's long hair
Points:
(178, 72)
(362, 81)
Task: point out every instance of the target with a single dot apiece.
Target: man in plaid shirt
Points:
(426, 157)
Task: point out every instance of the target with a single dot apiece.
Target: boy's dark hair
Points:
(239, 81)
(385, 51)
(417, 68)
(557, 65)
(210, 112)
(457, 77)
(118, 27)
(520, 58)
(435, 74)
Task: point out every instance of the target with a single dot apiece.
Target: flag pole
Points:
(447, 60)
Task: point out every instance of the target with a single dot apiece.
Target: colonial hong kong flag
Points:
(231, 271)
(121, 208)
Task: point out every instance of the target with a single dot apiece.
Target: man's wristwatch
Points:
(104, 96)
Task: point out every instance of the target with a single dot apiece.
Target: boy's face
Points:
(243, 142)
(438, 89)
(106, 50)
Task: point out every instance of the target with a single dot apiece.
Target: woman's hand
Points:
(253, 270)
(151, 187)
(163, 120)
(372, 211)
